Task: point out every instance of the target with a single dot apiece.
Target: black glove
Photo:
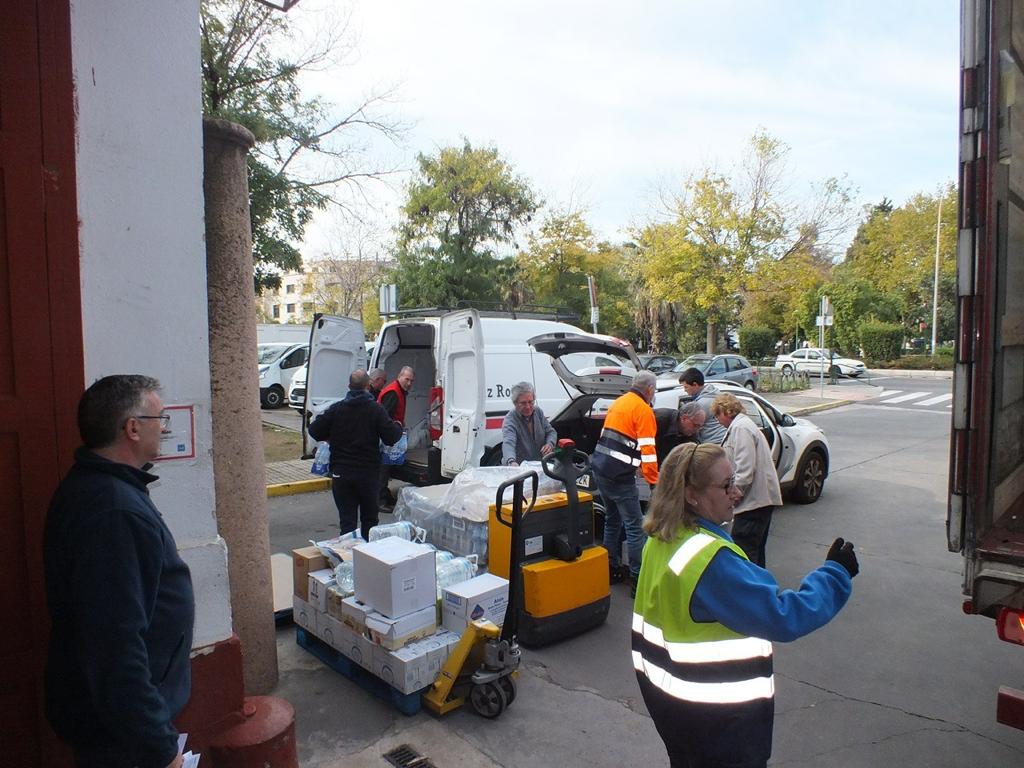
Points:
(842, 553)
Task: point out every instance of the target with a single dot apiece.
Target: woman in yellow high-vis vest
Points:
(705, 617)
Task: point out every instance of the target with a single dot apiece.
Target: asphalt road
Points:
(901, 677)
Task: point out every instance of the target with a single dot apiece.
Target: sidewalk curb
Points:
(300, 486)
(820, 407)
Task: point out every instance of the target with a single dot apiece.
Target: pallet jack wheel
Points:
(509, 688)
(488, 699)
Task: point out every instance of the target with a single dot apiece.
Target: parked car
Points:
(277, 363)
(658, 363)
(799, 447)
(297, 389)
(730, 367)
(815, 360)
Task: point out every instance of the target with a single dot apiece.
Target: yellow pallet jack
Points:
(562, 570)
(484, 664)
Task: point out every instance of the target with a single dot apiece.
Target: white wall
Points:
(143, 257)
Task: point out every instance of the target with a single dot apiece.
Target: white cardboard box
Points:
(354, 613)
(319, 581)
(358, 648)
(394, 633)
(394, 576)
(304, 614)
(482, 597)
(330, 630)
(412, 667)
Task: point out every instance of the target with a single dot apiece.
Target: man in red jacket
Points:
(393, 397)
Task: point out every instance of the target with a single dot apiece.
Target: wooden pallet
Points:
(406, 703)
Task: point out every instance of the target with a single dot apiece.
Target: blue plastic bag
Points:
(321, 460)
(394, 454)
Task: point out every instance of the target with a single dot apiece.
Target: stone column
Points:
(238, 463)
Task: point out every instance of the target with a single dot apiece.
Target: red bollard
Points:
(264, 739)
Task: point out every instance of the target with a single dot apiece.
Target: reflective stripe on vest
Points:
(617, 455)
(688, 551)
(620, 447)
(705, 693)
(734, 649)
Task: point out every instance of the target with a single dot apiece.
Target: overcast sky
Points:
(600, 104)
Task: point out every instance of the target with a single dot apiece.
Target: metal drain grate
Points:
(404, 756)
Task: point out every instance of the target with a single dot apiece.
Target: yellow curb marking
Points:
(300, 486)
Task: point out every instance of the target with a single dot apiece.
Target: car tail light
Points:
(435, 411)
(609, 370)
(754, 370)
(1010, 626)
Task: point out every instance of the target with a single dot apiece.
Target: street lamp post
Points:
(935, 286)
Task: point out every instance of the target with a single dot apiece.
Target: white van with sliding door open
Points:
(466, 363)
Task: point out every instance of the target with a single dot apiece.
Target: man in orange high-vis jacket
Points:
(626, 444)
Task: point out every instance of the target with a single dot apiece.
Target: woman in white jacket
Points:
(756, 483)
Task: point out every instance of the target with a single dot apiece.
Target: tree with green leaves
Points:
(308, 154)
(558, 259)
(894, 251)
(721, 228)
(463, 206)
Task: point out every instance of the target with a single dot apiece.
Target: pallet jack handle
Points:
(509, 627)
(567, 464)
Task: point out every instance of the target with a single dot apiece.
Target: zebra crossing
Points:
(897, 397)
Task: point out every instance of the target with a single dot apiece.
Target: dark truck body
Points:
(986, 480)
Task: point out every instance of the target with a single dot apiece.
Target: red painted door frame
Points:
(41, 356)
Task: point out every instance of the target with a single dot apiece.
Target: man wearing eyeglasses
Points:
(526, 434)
(676, 427)
(120, 597)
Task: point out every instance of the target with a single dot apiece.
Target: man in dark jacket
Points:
(676, 427)
(354, 428)
(120, 597)
(378, 378)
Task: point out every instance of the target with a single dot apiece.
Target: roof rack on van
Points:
(487, 309)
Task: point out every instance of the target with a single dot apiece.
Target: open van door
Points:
(337, 346)
(461, 377)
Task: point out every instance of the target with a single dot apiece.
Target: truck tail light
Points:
(1010, 626)
(435, 411)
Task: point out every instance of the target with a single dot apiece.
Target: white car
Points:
(799, 447)
(297, 389)
(815, 360)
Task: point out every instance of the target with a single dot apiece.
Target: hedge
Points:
(881, 341)
(757, 342)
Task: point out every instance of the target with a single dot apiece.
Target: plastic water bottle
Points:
(454, 571)
(442, 556)
(345, 576)
(403, 529)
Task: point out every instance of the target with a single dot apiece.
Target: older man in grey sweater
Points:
(526, 435)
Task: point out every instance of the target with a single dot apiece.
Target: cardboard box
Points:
(304, 614)
(319, 581)
(305, 560)
(412, 667)
(354, 613)
(354, 646)
(482, 597)
(394, 576)
(334, 598)
(394, 633)
(332, 632)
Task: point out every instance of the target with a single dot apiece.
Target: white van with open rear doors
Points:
(466, 362)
